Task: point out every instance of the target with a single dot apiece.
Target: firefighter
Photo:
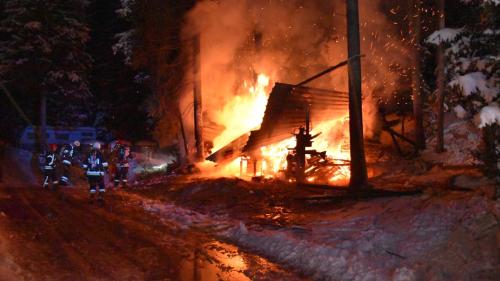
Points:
(122, 164)
(67, 156)
(95, 167)
(49, 167)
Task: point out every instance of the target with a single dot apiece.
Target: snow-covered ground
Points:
(142, 163)
(461, 140)
(450, 237)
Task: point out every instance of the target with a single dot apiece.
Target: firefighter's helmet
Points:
(53, 147)
(96, 146)
(76, 143)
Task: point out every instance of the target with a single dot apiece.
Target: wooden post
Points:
(440, 84)
(359, 179)
(197, 102)
(416, 75)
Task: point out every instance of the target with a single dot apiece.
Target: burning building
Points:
(290, 113)
(247, 46)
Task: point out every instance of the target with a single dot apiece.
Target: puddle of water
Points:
(214, 261)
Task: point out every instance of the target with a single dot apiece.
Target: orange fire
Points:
(332, 140)
(245, 113)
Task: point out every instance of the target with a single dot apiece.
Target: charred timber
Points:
(326, 71)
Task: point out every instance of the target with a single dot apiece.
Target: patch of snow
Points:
(384, 239)
(491, 31)
(495, 2)
(444, 35)
(474, 82)
(488, 115)
(145, 163)
(404, 274)
(461, 139)
(124, 45)
(126, 8)
(460, 112)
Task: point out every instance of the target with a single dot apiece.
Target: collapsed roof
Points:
(285, 112)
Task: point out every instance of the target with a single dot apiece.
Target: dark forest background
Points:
(119, 64)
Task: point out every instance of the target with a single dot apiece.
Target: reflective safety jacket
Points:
(94, 164)
(50, 161)
(122, 159)
(67, 154)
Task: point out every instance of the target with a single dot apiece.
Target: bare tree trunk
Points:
(359, 179)
(42, 131)
(440, 84)
(416, 75)
(183, 134)
(197, 103)
(490, 154)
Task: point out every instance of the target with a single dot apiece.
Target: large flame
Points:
(244, 112)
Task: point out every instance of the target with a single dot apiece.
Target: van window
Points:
(32, 136)
(60, 136)
(87, 134)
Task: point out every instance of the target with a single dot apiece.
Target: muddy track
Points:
(59, 235)
(63, 237)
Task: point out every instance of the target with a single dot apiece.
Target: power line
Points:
(16, 105)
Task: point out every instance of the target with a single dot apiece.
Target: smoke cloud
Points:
(288, 41)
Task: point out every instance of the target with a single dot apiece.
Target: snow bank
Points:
(384, 239)
(461, 139)
(370, 242)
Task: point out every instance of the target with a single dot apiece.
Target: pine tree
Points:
(473, 72)
(153, 46)
(43, 53)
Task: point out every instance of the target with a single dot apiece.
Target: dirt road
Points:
(46, 235)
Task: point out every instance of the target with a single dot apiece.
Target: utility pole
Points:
(197, 102)
(440, 83)
(416, 75)
(359, 178)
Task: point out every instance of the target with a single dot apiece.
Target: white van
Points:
(58, 135)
